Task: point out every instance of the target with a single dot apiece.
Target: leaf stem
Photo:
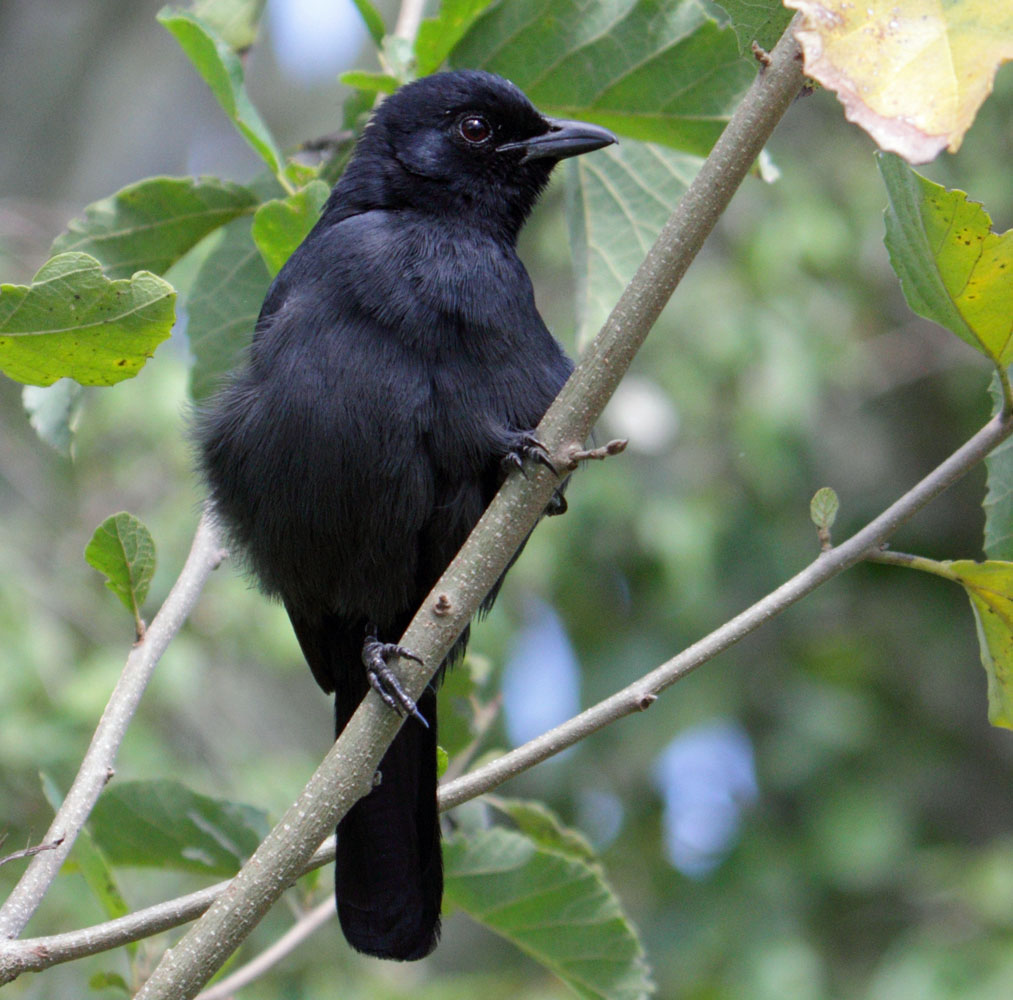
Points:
(1007, 390)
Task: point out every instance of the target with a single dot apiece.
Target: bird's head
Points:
(465, 144)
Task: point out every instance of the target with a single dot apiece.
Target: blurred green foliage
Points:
(878, 860)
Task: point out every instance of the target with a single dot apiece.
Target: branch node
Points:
(826, 544)
(761, 55)
(442, 606)
(646, 700)
(576, 455)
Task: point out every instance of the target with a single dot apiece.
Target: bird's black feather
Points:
(398, 358)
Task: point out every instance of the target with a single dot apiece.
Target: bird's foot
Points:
(383, 680)
(526, 445)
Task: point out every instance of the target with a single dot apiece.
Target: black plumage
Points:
(398, 363)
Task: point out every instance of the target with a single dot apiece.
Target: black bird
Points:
(397, 370)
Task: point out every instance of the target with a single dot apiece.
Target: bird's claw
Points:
(524, 446)
(383, 680)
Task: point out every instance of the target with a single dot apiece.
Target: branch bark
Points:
(99, 761)
(346, 772)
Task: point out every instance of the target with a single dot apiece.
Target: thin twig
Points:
(98, 763)
(306, 925)
(409, 18)
(28, 852)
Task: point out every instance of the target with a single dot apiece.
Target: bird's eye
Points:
(474, 128)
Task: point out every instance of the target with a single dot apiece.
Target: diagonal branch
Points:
(345, 774)
(98, 764)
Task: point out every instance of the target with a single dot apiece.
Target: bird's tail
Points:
(389, 870)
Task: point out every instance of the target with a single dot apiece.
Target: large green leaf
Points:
(655, 70)
(543, 826)
(438, 35)
(90, 861)
(372, 19)
(224, 303)
(760, 21)
(222, 71)
(555, 907)
(280, 225)
(618, 200)
(150, 225)
(53, 411)
(953, 269)
(166, 825)
(73, 322)
(236, 22)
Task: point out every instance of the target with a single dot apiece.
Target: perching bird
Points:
(398, 368)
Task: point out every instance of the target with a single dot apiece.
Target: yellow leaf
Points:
(912, 73)
(989, 585)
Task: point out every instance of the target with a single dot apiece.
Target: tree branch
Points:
(346, 773)
(306, 925)
(98, 764)
(39, 953)
(642, 693)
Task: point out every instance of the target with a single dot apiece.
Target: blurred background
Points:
(823, 811)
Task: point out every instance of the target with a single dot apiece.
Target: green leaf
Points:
(164, 824)
(150, 225)
(279, 226)
(458, 706)
(382, 83)
(544, 827)
(109, 981)
(953, 269)
(989, 585)
(123, 551)
(223, 73)
(399, 56)
(224, 303)
(998, 504)
(91, 862)
(53, 411)
(762, 21)
(655, 70)
(372, 19)
(438, 35)
(556, 908)
(823, 507)
(236, 22)
(617, 201)
(73, 322)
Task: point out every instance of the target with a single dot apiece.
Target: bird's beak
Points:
(563, 138)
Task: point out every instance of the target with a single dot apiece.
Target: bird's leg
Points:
(383, 680)
(526, 445)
